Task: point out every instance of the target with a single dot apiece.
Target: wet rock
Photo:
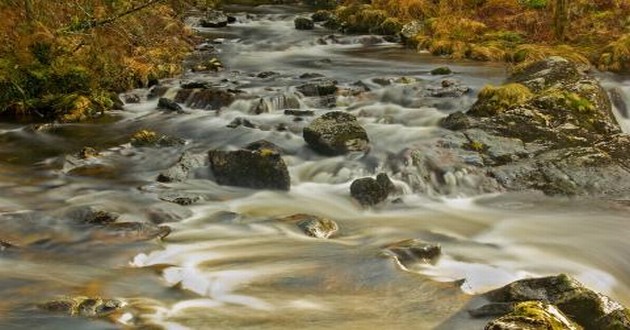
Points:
(413, 251)
(369, 191)
(182, 169)
(180, 198)
(92, 307)
(276, 102)
(87, 152)
(589, 309)
(300, 113)
(444, 70)
(160, 214)
(170, 105)
(210, 99)
(449, 88)
(101, 171)
(93, 214)
(195, 85)
(304, 23)
(322, 87)
(336, 133)
(214, 19)
(533, 315)
(311, 75)
(5, 245)
(266, 74)
(240, 121)
(141, 231)
(259, 165)
(550, 128)
(212, 64)
(313, 226)
(146, 138)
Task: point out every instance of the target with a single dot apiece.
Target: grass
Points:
(516, 31)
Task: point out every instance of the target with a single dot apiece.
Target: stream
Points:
(228, 264)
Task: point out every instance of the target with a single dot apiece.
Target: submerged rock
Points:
(413, 251)
(93, 214)
(313, 226)
(259, 165)
(93, 307)
(336, 133)
(147, 138)
(443, 70)
(141, 231)
(589, 309)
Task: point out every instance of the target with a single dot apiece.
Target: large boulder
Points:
(549, 128)
(589, 309)
(259, 165)
(336, 133)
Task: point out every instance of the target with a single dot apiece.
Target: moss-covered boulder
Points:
(336, 133)
(369, 191)
(259, 165)
(214, 19)
(533, 315)
(549, 128)
(589, 309)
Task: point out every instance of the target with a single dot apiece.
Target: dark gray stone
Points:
(336, 133)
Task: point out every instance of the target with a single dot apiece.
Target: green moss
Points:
(443, 70)
(475, 146)
(493, 100)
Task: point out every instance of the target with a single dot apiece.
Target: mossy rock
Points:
(533, 315)
(443, 70)
(93, 307)
(259, 166)
(313, 226)
(148, 138)
(492, 100)
(336, 133)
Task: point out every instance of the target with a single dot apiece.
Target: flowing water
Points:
(228, 264)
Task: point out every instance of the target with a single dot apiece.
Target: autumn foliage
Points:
(63, 59)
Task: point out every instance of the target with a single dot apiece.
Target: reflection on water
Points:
(229, 263)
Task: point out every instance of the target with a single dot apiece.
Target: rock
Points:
(181, 170)
(619, 101)
(259, 165)
(533, 315)
(87, 152)
(586, 307)
(212, 64)
(157, 91)
(322, 87)
(449, 88)
(5, 245)
(313, 226)
(180, 198)
(101, 171)
(299, 113)
(166, 104)
(550, 128)
(146, 138)
(140, 231)
(266, 74)
(214, 19)
(240, 121)
(92, 307)
(369, 191)
(93, 214)
(413, 251)
(164, 213)
(303, 23)
(195, 85)
(322, 16)
(336, 133)
(210, 99)
(444, 70)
